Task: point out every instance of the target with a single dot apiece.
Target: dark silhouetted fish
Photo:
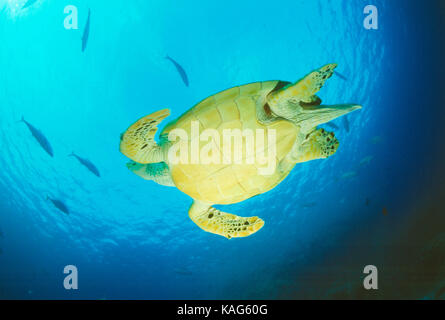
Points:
(87, 163)
(365, 161)
(41, 139)
(59, 205)
(367, 202)
(309, 205)
(376, 140)
(180, 69)
(338, 74)
(183, 272)
(29, 3)
(332, 125)
(385, 211)
(86, 32)
(346, 123)
(349, 175)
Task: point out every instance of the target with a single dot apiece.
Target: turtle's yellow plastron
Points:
(227, 142)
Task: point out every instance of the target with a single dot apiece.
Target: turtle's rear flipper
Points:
(319, 144)
(138, 143)
(225, 224)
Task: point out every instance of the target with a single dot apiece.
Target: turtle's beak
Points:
(312, 116)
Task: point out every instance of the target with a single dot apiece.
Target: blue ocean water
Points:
(133, 239)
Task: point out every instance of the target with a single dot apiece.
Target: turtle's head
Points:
(298, 102)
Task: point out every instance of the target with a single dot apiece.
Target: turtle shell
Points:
(226, 182)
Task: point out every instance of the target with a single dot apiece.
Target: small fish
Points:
(376, 139)
(183, 272)
(338, 74)
(367, 202)
(332, 125)
(86, 32)
(87, 163)
(180, 70)
(385, 211)
(309, 205)
(29, 3)
(365, 160)
(346, 123)
(349, 175)
(41, 139)
(59, 205)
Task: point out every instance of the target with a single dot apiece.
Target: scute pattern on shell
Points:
(235, 108)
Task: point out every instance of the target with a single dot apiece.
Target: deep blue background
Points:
(131, 238)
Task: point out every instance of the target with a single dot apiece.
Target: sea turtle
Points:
(291, 111)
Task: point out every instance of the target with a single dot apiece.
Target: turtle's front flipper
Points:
(225, 224)
(318, 144)
(138, 144)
